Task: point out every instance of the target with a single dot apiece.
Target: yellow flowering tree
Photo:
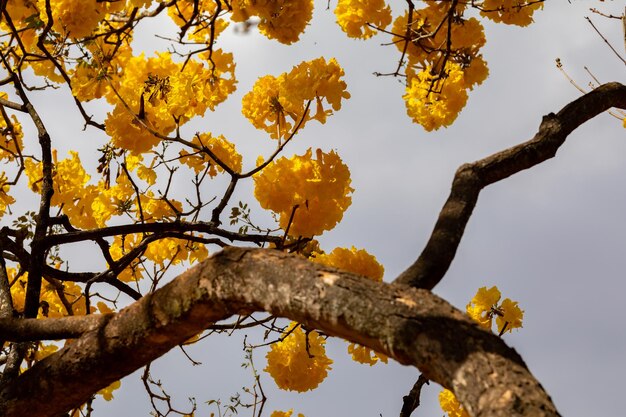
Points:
(152, 194)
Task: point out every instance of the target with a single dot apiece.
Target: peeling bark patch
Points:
(407, 302)
(329, 278)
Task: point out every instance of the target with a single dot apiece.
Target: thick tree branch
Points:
(413, 326)
(469, 179)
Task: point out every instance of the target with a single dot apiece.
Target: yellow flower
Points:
(107, 393)
(451, 405)
(158, 92)
(292, 365)
(155, 209)
(5, 199)
(89, 82)
(122, 245)
(224, 150)
(77, 18)
(434, 102)
(11, 137)
(511, 12)
(481, 305)
(365, 355)
(317, 192)
(352, 260)
(51, 304)
(276, 104)
(484, 306)
(467, 35)
(475, 73)
(20, 10)
(280, 19)
(44, 350)
(511, 317)
(284, 414)
(70, 188)
(103, 308)
(181, 14)
(128, 133)
(354, 15)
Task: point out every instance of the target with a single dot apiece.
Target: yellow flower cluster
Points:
(449, 404)
(89, 206)
(11, 137)
(5, 199)
(283, 20)
(484, 306)
(467, 35)
(511, 12)
(353, 16)
(357, 261)
(432, 103)
(77, 18)
(284, 414)
(362, 263)
(223, 149)
(107, 393)
(299, 361)
(435, 94)
(157, 93)
(365, 355)
(209, 26)
(170, 251)
(318, 190)
(50, 304)
(22, 13)
(273, 99)
(70, 188)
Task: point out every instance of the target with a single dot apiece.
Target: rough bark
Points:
(413, 326)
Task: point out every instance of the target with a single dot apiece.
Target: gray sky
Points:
(550, 238)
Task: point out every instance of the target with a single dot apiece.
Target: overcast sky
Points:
(551, 238)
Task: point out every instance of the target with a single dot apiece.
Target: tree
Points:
(137, 227)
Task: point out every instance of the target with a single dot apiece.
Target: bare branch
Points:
(469, 179)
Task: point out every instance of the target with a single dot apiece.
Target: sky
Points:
(550, 238)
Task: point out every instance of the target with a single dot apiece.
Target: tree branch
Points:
(411, 401)
(469, 179)
(413, 326)
(25, 330)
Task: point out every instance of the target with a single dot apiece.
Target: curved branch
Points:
(469, 179)
(413, 326)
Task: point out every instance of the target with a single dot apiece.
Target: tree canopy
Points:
(158, 191)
